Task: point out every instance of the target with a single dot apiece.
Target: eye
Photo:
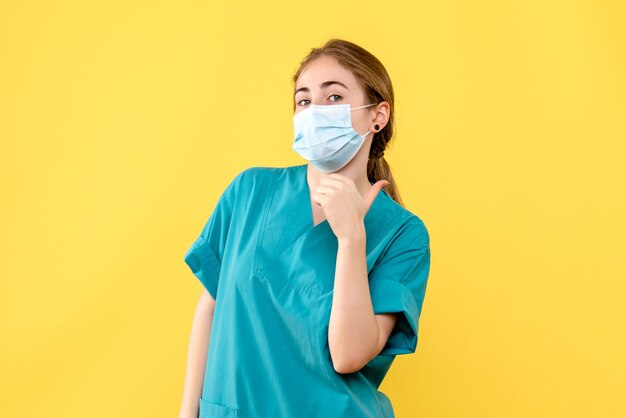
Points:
(303, 100)
(335, 95)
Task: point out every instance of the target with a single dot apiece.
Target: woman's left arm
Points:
(355, 333)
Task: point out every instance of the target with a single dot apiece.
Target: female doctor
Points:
(313, 275)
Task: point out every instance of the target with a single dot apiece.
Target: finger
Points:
(319, 198)
(371, 194)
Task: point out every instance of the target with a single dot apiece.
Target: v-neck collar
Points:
(288, 239)
(307, 198)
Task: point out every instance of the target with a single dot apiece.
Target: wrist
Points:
(355, 236)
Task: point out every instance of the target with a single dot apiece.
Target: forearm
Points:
(197, 356)
(353, 333)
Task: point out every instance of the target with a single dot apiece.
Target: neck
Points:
(356, 173)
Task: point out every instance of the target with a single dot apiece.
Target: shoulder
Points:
(255, 181)
(261, 173)
(407, 251)
(408, 228)
(415, 233)
(255, 176)
(412, 235)
(407, 240)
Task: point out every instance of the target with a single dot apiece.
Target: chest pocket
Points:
(214, 410)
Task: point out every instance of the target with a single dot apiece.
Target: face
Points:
(325, 82)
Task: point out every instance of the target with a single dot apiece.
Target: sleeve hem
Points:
(389, 296)
(204, 264)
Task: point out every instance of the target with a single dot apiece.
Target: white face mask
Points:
(324, 136)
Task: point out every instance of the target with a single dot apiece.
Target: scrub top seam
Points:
(262, 226)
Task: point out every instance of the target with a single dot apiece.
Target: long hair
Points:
(374, 79)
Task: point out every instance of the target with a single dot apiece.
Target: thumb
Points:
(371, 194)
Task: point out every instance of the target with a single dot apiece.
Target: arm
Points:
(197, 355)
(355, 333)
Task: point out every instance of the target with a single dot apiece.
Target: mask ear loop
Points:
(371, 104)
(367, 105)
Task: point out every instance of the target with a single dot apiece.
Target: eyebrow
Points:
(322, 86)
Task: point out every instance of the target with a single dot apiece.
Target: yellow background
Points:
(121, 123)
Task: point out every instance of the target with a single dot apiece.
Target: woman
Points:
(313, 275)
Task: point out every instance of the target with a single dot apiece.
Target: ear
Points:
(382, 116)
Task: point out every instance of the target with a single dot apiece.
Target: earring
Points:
(376, 127)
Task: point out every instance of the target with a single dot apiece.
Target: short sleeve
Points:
(398, 284)
(204, 257)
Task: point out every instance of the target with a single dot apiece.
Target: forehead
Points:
(322, 69)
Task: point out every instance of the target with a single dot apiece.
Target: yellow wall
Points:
(121, 122)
